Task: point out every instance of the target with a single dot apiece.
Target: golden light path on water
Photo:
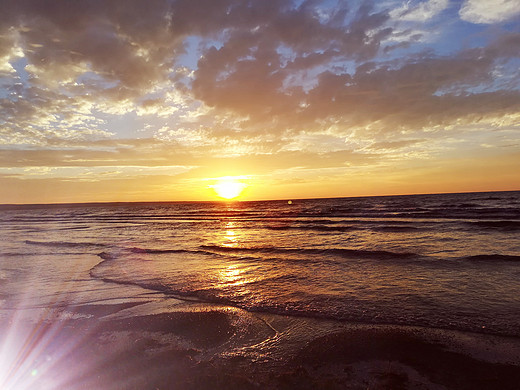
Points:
(231, 275)
(231, 239)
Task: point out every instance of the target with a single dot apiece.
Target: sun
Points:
(228, 187)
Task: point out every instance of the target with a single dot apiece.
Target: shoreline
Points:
(191, 298)
(108, 335)
(170, 343)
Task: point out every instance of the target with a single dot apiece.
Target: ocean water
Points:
(447, 261)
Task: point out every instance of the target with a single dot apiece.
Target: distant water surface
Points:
(448, 261)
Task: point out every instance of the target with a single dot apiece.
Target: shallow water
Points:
(441, 261)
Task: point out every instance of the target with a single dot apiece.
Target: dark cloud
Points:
(426, 91)
(249, 72)
(120, 51)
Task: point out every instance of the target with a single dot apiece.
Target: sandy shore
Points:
(165, 343)
(82, 333)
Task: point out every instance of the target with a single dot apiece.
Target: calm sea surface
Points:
(448, 261)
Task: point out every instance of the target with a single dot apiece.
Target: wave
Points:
(317, 306)
(65, 244)
(157, 251)
(496, 225)
(348, 253)
(217, 250)
(118, 252)
(492, 257)
(396, 229)
(319, 228)
(323, 226)
(75, 228)
(107, 256)
(258, 253)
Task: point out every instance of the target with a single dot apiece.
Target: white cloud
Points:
(420, 13)
(489, 11)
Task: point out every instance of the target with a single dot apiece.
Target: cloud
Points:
(425, 92)
(104, 153)
(249, 73)
(248, 85)
(272, 67)
(393, 145)
(82, 59)
(421, 12)
(123, 42)
(489, 11)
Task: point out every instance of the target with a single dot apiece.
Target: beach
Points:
(372, 293)
(165, 343)
(261, 194)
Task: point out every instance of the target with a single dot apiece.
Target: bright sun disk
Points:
(228, 187)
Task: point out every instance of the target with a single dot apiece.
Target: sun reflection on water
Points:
(232, 276)
(232, 236)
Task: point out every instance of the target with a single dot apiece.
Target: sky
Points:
(156, 100)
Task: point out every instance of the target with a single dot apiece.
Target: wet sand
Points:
(164, 343)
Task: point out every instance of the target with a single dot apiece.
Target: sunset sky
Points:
(155, 100)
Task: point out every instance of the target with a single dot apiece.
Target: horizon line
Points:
(93, 203)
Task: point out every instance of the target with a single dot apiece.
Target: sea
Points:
(448, 261)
